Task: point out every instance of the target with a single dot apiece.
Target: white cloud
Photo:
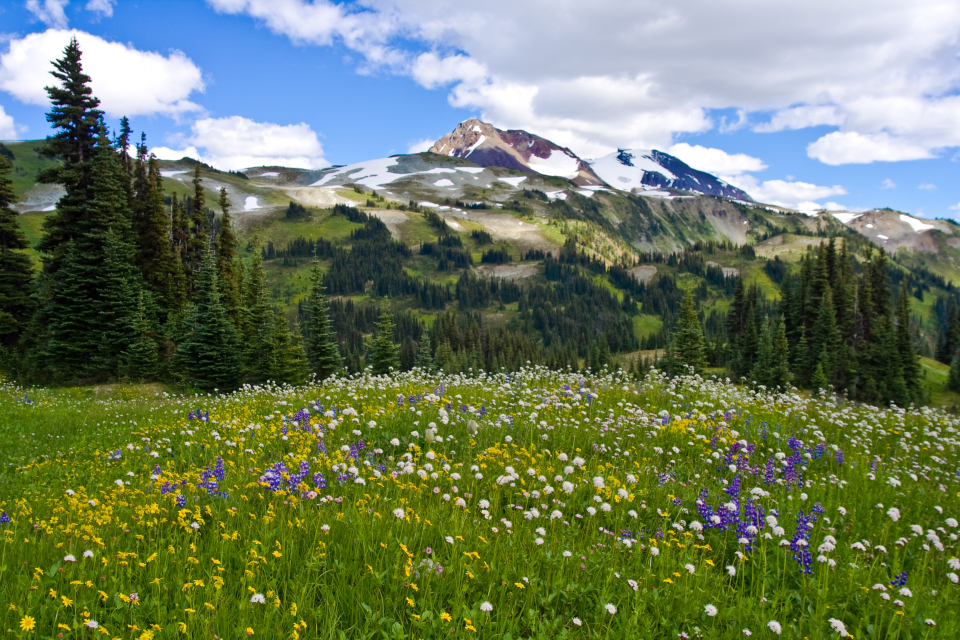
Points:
(849, 147)
(166, 153)
(49, 12)
(237, 143)
(927, 186)
(432, 71)
(103, 7)
(8, 130)
(594, 76)
(795, 195)
(802, 117)
(716, 161)
(420, 145)
(888, 184)
(128, 81)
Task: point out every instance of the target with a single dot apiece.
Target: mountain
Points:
(487, 146)
(626, 169)
(641, 170)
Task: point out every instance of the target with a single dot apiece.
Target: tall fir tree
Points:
(322, 349)
(198, 225)
(780, 375)
(155, 256)
(90, 307)
(424, 358)
(384, 352)
(764, 362)
(227, 262)
(825, 337)
(210, 355)
(16, 271)
(689, 345)
(140, 361)
(909, 365)
(953, 379)
(76, 117)
(258, 325)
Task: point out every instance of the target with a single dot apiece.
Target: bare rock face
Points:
(487, 146)
(894, 230)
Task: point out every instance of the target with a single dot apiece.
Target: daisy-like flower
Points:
(577, 621)
(257, 598)
(710, 610)
(930, 623)
(27, 623)
(486, 607)
(88, 553)
(690, 568)
(399, 513)
(774, 626)
(838, 626)
(91, 624)
(69, 558)
(610, 608)
(731, 570)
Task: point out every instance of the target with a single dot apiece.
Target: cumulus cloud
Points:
(8, 130)
(102, 7)
(128, 81)
(888, 184)
(801, 117)
(791, 194)
(235, 142)
(716, 161)
(420, 145)
(850, 147)
(595, 76)
(49, 12)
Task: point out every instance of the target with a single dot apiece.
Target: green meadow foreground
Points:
(530, 505)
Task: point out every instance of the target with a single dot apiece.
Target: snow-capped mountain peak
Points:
(487, 146)
(641, 169)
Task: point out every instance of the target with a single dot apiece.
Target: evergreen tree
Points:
(199, 227)
(818, 381)
(226, 262)
(16, 272)
(322, 350)
(75, 116)
(780, 375)
(689, 346)
(384, 353)
(90, 305)
(762, 367)
(209, 354)
(155, 256)
(424, 359)
(953, 380)
(257, 319)
(909, 365)
(140, 360)
(298, 368)
(825, 337)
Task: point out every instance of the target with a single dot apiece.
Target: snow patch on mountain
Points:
(558, 163)
(916, 224)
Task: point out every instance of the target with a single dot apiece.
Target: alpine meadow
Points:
(483, 389)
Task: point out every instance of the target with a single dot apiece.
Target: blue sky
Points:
(807, 105)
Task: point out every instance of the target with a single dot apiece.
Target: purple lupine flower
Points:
(840, 457)
(319, 480)
(4, 518)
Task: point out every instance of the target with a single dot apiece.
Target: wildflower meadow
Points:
(531, 505)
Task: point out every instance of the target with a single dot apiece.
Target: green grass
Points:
(32, 225)
(26, 164)
(645, 325)
(578, 518)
